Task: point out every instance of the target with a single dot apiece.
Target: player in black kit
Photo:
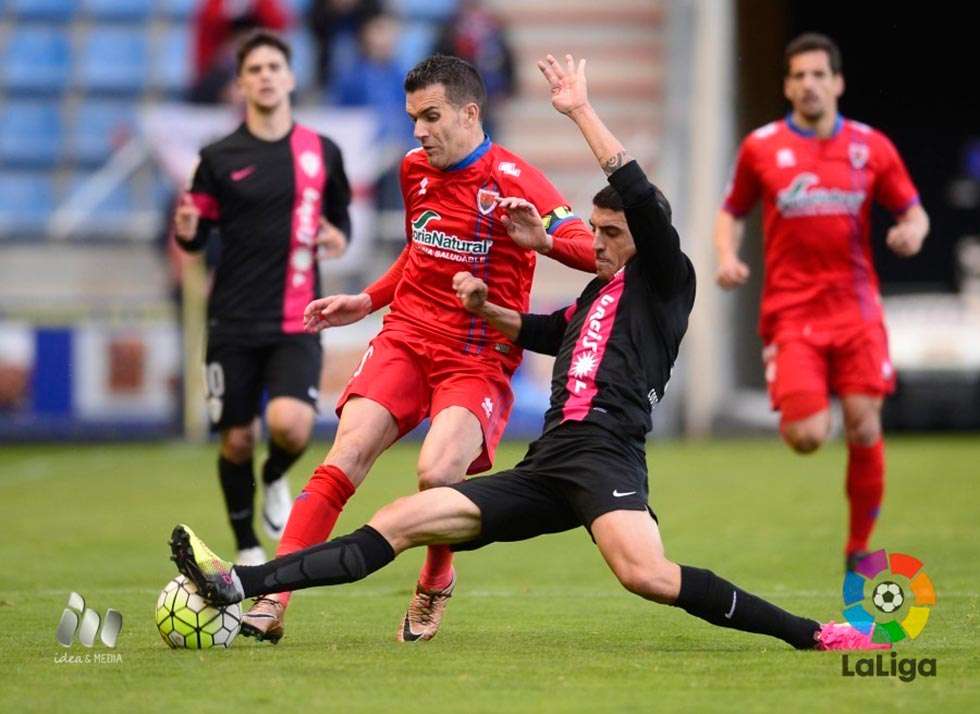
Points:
(277, 194)
(615, 348)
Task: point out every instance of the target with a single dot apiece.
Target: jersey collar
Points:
(472, 157)
(810, 133)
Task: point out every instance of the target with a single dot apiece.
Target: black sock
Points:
(705, 595)
(278, 462)
(341, 560)
(238, 485)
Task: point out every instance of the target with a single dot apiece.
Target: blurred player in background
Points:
(432, 358)
(615, 348)
(821, 322)
(276, 192)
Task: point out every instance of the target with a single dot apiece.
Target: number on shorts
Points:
(214, 376)
(360, 366)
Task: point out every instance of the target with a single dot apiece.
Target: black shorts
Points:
(237, 370)
(568, 478)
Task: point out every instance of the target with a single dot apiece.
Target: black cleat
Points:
(212, 575)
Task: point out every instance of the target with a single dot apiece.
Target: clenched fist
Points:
(471, 291)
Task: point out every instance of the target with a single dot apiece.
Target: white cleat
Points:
(251, 556)
(277, 504)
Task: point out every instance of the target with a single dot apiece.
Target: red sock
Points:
(865, 486)
(437, 572)
(315, 512)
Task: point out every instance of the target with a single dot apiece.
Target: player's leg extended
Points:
(865, 469)
(454, 441)
(238, 487)
(440, 515)
(365, 430)
(631, 545)
(290, 423)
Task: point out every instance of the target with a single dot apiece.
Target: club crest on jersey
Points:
(310, 163)
(486, 200)
(858, 154)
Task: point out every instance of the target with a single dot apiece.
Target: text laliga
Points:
(906, 669)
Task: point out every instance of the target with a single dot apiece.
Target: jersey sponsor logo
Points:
(243, 174)
(509, 168)
(444, 245)
(310, 163)
(587, 352)
(801, 198)
(785, 158)
(858, 154)
(486, 200)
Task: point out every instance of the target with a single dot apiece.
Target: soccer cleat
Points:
(214, 577)
(251, 556)
(851, 560)
(425, 613)
(263, 621)
(843, 637)
(277, 503)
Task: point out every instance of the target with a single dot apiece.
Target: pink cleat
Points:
(842, 637)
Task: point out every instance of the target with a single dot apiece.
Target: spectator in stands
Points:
(478, 36)
(336, 25)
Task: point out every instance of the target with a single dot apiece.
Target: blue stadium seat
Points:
(423, 9)
(118, 9)
(177, 9)
(171, 60)
(49, 10)
(36, 60)
(114, 59)
(30, 133)
(98, 128)
(26, 201)
(415, 43)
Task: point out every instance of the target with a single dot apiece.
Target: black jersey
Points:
(617, 344)
(266, 198)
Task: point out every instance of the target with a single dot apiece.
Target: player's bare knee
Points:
(238, 444)
(442, 472)
(290, 437)
(391, 522)
(651, 581)
(804, 438)
(864, 432)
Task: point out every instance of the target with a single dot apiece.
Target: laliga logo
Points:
(899, 588)
(85, 621)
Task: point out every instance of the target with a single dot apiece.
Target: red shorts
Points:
(841, 360)
(414, 378)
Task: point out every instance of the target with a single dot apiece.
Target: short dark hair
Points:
(811, 42)
(261, 38)
(608, 198)
(462, 82)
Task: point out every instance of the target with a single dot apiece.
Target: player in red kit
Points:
(470, 205)
(821, 321)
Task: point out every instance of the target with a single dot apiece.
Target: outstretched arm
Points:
(646, 209)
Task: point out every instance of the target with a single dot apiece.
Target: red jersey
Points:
(452, 224)
(816, 204)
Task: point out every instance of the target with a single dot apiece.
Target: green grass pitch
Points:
(535, 627)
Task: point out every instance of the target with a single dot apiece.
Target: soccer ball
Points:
(888, 597)
(186, 620)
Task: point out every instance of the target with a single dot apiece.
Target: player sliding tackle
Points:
(615, 347)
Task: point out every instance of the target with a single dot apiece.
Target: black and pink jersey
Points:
(266, 198)
(617, 344)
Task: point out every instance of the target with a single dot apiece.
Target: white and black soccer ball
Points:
(186, 620)
(888, 597)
